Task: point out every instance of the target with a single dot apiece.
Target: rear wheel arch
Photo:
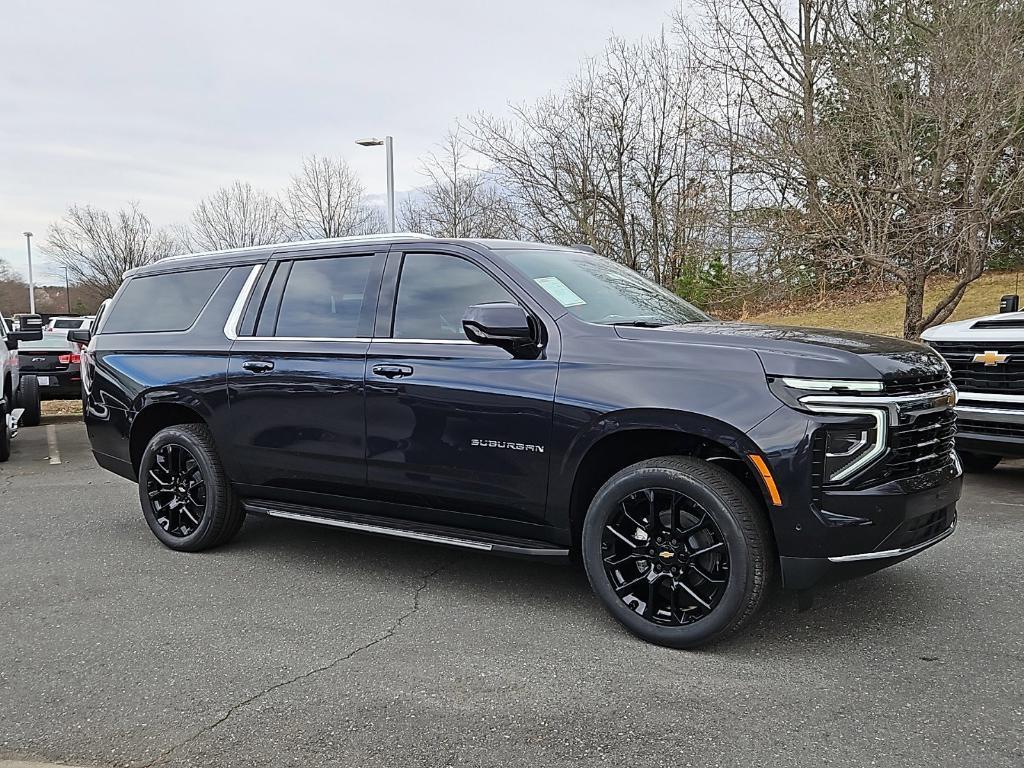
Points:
(630, 444)
(151, 419)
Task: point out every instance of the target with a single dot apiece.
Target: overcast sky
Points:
(108, 101)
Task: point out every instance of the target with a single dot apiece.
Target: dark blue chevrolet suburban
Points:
(522, 399)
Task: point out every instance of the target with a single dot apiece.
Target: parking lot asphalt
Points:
(298, 645)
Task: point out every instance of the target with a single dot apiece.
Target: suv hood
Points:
(808, 352)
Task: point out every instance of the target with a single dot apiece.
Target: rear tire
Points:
(29, 399)
(694, 540)
(186, 497)
(979, 462)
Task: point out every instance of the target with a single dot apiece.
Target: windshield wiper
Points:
(642, 323)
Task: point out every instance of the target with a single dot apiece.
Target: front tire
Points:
(678, 550)
(979, 462)
(186, 497)
(29, 399)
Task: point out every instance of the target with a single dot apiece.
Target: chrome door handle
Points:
(258, 366)
(393, 371)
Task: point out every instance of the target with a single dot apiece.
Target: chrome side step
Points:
(445, 538)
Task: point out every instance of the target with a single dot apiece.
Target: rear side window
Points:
(169, 302)
(324, 297)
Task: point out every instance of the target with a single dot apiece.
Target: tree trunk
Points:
(915, 306)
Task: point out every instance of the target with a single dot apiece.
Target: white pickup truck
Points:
(986, 356)
(19, 401)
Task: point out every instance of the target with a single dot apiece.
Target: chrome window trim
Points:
(235, 318)
(375, 340)
(892, 552)
(235, 315)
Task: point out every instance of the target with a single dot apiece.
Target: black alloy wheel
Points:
(186, 496)
(665, 557)
(177, 490)
(678, 550)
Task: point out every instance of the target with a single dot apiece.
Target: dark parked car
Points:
(55, 363)
(523, 399)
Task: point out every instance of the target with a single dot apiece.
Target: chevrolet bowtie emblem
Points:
(667, 554)
(991, 357)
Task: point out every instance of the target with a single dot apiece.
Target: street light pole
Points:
(67, 289)
(390, 160)
(31, 285)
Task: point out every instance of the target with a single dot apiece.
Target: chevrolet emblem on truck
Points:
(991, 357)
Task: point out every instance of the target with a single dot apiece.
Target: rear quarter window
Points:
(170, 302)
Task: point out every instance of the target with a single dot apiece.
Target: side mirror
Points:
(80, 335)
(501, 324)
(14, 337)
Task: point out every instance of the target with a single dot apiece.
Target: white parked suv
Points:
(986, 356)
(20, 394)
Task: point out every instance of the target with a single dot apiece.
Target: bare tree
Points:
(615, 161)
(98, 247)
(325, 199)
(459, 200)
(236, 216)
(919, 161)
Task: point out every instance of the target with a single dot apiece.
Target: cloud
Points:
(103, 103)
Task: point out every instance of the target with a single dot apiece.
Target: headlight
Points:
(847, 449)
(849, 446)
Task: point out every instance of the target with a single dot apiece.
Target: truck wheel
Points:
(678, 551)
(28, 398)
(979, 462)
(186, 497)
(5, 433)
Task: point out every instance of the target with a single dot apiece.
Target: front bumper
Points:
(806, 572)
(897, 526)
(831, 532)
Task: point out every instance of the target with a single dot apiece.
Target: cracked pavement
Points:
(297, 645)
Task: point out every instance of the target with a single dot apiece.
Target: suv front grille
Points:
(916, 385)
(968, 376)
(924, 445)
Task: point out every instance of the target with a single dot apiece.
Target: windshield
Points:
(599, 290)
(66, 324)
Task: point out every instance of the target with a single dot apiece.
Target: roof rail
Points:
(322, 241)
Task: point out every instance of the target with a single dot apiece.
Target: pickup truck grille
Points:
(922, 446)
(1005, 378)
(998, 429)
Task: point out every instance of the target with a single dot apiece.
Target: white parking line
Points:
(51, 443)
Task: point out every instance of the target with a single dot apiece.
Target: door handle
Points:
(258, 366)
(393, 371)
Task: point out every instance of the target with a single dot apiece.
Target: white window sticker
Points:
(562, 293)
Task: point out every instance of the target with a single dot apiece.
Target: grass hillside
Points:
(884, 314)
